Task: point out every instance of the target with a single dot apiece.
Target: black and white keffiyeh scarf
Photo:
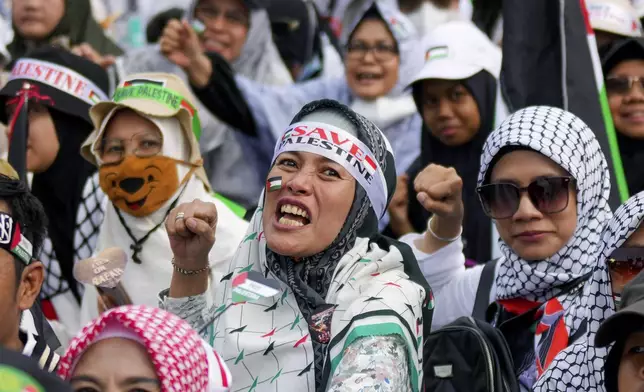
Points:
(581, 366)
(566, 140)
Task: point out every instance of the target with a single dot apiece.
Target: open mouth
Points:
(293, 214)
(634, 115)
(214, 45)
(368, 77)
(136, 205)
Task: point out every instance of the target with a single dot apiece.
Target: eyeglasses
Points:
(381, 52)
(208, 14)
(627, 262)
(142, 145)
(623, 84)
(548, 194)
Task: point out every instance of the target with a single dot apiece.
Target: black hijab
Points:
(60, 189)
(631, 150)
(477, 227)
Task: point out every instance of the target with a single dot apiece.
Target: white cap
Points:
(457, 50)
(614, 16)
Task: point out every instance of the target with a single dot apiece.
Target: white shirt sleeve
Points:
(453, 285)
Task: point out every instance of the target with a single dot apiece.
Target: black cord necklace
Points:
(137, 245)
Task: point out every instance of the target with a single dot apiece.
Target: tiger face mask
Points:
(140, 186)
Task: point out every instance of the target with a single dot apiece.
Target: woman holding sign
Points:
(301, 306)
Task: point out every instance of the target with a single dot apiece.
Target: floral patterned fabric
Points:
(372, 364)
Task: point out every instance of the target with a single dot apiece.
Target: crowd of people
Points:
(310, 195)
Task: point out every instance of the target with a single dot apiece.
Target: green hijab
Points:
(77, 26)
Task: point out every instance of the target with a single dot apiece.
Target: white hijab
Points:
(144, 281)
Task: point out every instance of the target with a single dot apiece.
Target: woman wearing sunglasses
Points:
(544, 181)
(623, 65)
(622, 259)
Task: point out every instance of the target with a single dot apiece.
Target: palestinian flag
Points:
(18, 136)
(274, 184)
(550, 58)
(94, 97)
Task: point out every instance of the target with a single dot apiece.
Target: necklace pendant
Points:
(136, 248)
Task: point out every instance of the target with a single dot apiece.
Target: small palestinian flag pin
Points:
(274, 184)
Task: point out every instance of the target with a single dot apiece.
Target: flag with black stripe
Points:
(550, 58)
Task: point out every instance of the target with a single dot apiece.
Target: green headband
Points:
(162, 95)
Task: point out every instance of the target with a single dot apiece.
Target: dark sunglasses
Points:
(548, 194)
(627, 261)
(622, 84)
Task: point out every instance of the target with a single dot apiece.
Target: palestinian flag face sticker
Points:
(274, 184)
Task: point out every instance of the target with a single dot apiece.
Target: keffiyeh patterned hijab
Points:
(581, 366)
(566, 140)
(183, 362)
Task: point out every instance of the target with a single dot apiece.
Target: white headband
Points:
(60, 78)
(343, 148)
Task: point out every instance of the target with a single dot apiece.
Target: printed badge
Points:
(320, 325)
(251, 286)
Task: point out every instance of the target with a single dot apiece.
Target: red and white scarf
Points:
(183, 362)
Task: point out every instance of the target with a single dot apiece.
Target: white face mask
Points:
(385, 111)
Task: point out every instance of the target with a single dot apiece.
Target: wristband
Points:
(429, 229)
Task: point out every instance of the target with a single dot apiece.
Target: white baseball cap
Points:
(614, 16)
(457, 50)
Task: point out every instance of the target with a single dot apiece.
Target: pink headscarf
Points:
(183, 362)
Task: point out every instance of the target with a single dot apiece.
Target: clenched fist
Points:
(191, 229)
(439, 190)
